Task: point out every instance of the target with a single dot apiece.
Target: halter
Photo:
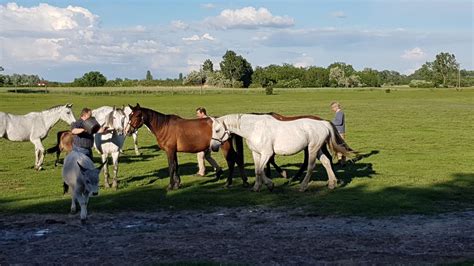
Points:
(223, 135)
(136, 128)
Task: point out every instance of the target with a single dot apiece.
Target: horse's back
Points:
(16, 127)
(192, 135)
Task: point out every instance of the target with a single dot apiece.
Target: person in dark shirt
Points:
(83, 140)
(340, 123)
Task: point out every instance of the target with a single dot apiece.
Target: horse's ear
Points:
(81, 167)
(131, 107)
(114, 108)
(69, 105)
(138, 105)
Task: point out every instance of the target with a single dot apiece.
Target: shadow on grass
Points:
(361, 199)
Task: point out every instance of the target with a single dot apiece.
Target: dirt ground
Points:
(238, 235)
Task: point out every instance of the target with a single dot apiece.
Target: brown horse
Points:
(64, 143)
(175, 134)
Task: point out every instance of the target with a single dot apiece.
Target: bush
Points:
(269, 90)
(417, 83)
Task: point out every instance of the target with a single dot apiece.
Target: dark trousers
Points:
(86, 151)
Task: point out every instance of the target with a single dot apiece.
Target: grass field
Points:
(419, 146)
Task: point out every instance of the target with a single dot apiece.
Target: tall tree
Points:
(445, 65)
(91, 79)
(236, 69)
(207, 66)
(148, 75)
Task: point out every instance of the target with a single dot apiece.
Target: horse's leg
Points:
(73, 201)
(302, 167)
(58, 153)
(311, 163)
(229, 155)
(177, 178)
(256, 160)
(332, 182)
(105, 160)
(268, 170)
(135, 142)
(239, 159)
(264, 158)
(83, 199)
(115, 156)
(277, 168)
(39, 153)
(171, 155)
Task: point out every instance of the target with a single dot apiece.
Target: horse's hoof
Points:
(283, 174)
(73, 211)
(227, 185)
(177, 186)
(219, 173)
(170, 187)
(331, 185)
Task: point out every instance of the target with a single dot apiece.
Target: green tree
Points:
(337, 77)
(445, 65)
(370, 78)
(148, 75)
(208, 66)
(236, 69)
(91, 79)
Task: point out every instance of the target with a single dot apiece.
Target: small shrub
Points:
(269, 90)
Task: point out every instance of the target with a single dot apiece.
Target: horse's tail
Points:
(337, 143)
(65, 188)
(58, 142)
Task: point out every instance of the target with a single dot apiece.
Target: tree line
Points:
(236, 72)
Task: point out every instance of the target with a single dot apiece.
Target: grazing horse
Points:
(267, 136)
(34, 127)
(110, 143)
(82, 176)
(175, 134)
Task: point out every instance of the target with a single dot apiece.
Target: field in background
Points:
(418, 143)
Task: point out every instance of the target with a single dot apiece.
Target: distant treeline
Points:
(236, 72)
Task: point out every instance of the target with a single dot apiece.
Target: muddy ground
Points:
(238, 235)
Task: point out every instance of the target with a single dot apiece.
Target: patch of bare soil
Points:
(238, 235)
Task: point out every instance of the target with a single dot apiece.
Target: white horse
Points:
(101, 112)
(111, 143)
(266, 136)
(34, 127)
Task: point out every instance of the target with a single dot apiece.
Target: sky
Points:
(62, 40)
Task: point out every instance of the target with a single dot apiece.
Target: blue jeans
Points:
(86, 151)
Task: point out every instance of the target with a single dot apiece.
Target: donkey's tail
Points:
(58, 142)
(337, 143)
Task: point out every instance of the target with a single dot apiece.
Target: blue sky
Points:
(61, 40)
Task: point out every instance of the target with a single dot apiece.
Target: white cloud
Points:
(195, 37)
(414, 54)
(179, 25)
(249, 18)
(44, 18)
(303, 61)
(339, 14)
(208, 6)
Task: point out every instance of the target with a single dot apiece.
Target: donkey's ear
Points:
(81, 167)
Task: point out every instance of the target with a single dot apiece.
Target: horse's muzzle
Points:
(95, 193)
(215, 146)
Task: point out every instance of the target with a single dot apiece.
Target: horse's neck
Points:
(153, 120)
(50, 118)
(237, 125)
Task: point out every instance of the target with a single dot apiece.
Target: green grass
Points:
(420, 145)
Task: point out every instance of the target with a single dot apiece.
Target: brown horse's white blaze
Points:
(175, 134)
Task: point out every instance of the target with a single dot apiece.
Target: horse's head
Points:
(135, 119)
(220, 134)
(116, 120)
(66, 114)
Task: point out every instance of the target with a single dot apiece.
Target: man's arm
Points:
(338, 119)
